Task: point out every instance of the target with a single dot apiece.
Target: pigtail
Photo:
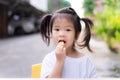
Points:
(88, 25)
(86, 39)
(45, 28)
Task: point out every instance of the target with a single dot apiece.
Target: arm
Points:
(58, 67)
(57, 70)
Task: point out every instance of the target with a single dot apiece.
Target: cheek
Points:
(54, 38)
(71, 39)
(72, 36)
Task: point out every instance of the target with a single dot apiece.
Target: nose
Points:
(61, 33)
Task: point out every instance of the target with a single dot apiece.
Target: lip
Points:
(62, 41)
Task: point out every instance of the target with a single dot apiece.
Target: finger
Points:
(64, 50)
(59, 48)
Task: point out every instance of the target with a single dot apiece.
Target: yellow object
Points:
(36, 70)
(62, 43)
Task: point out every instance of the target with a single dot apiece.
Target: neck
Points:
(70, 51)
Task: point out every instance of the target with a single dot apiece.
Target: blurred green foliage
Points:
(107, 24)
(64, 3)
(89, 6)
(57, 3)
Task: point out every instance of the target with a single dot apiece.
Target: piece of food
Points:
(62, 43)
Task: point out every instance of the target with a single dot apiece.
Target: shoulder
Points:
(49, 57)
(90, 67)
(89, 64)
(49, 54)
(87, 59)
(48, 64)
(84, 59)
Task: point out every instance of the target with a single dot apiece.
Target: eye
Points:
(56, 29)
(68, 29)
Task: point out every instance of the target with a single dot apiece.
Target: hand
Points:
(60, 51)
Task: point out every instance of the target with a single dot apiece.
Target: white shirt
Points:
(73, 67)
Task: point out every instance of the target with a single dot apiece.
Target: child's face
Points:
(63, 30)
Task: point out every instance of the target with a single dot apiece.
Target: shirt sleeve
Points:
(92, 70)
(93, 73)
(47, 66)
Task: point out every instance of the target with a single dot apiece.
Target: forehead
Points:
(62, 22)
(63, 19)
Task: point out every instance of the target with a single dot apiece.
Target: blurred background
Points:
(21, 45)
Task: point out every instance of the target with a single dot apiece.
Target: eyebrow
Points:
(64, 26)
(70, 27)
(55, 26)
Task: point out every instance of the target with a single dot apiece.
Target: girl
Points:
(65, 61)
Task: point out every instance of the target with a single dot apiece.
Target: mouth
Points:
(62, 41)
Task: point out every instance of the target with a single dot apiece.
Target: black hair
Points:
(48, 19)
